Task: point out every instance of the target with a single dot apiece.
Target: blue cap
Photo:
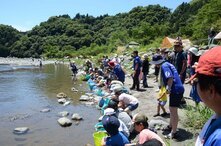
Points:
(111, 124)
(157, 59)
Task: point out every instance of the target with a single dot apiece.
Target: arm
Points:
(169, 85)
(183, 67)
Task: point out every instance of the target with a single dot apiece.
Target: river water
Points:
(25, 91)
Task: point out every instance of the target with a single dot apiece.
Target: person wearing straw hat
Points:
(208, 82)
(169, 78)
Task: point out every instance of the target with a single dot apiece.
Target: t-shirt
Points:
(124, 117)
(128, 99)
(213, 140)
(138, 61)
(162, 94)
(180, 57)
(117, 140)
(169, 71)
(147, 134)
(119, 73)
(145, 66)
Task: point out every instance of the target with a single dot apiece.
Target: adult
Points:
(136, 67)
(208, 82)
(127, 102)
(118, 71)
(169, 78)
(141, 125)
(180, 60)
(145, 70)
(193, 57)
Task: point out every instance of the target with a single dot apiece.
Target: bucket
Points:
(98, 136)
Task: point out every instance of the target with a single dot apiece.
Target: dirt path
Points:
(148, 106)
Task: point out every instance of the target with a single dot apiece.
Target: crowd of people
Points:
(172, 70)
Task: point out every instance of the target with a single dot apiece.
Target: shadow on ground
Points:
(182, 135)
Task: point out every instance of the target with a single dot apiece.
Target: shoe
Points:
(171, 136)
(165, 114)
(132, 88)
(156, 115)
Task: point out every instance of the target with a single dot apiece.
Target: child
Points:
(162, 100)
(111, 125)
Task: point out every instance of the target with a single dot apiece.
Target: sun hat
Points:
(194, 51)
(157, 59)
(111, 124)
(209, 63)
(117, 88)
(139, 118)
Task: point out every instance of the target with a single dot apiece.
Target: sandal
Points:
(171, 136)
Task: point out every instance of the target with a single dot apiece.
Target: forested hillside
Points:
(63, 36)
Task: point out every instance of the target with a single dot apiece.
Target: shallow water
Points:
(24, 91)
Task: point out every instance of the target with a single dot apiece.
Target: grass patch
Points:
(197, 116)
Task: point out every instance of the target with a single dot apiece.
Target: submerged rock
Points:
(61, 95)
(74, 89)
(76, 116)
(63, 113)
(21, 130)
(46, 110)
(66, 103)
(64, 122)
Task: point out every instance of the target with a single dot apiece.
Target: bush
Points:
(196, 117)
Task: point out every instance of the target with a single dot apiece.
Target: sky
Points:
(25, 14)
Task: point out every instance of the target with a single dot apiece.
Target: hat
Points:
(194, 51)
(139, 117)
(178, 43)
(209, 63)
(117, 88)
(109, 111)
(111, 124)
(157, 59)
(111, 63)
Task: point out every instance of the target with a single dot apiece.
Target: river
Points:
(25, 91)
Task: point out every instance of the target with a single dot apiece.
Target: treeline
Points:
(85, 35)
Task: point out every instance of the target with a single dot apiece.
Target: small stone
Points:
(62, 100)
(76, 116)
(74, 89)
(46, 110)
(66, 103)
(63, 114)
(61, 95)
(84, 98)
(21, 130)
(64, 122)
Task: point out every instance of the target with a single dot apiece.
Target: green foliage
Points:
(196, 117)
(86, 35)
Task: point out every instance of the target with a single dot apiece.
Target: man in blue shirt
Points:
(118, 71)
(137, 63)
(169, 78)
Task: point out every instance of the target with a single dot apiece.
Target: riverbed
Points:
(26, 90)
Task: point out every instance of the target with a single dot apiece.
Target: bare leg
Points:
(173, 118)
(163, 109)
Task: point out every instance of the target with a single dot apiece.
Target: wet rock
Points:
(21, 130)
(89, 94)
(76, 116)
(62, 100)
(84, 98)
(61, 95)
(63, 114)
(89, 103)
(46, 110)
(74, 89)
(64, 122)
(66, 103)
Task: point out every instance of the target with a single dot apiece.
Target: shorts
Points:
(132, 106)
(175, 100)
(162, 103)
